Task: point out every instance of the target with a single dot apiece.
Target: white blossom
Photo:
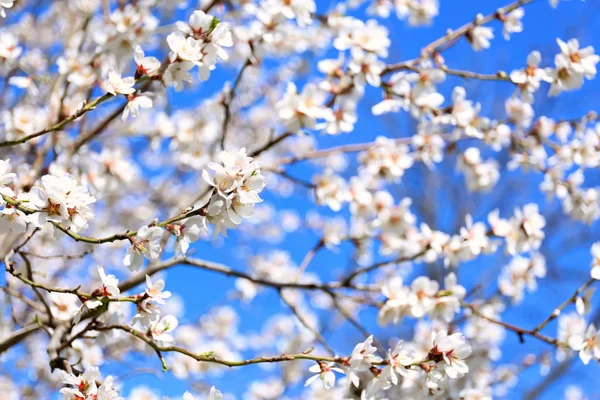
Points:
(118, 85)
(529, 79)
(453, 349)
(480, 37)
(110, 284)
(145, 244)
(160, 330)
(362, 358)
(146, 65)
(512, 22)
(134, 103)
(588, 345)
(325, 372)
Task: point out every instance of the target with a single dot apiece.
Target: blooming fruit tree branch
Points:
(189, 189)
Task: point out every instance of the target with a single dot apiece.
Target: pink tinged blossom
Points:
(148, 312)
(9, 48)
(572, 65)
(221, 37)
(81, 385)
(520, 275)
(331, 190)
(366, 68)
(85, 386)
(519, 112)
(301, 110)
(448, 301)
(62, 200)
(13, 220)
(341, 119)
(198, 25)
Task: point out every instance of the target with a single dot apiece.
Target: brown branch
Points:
(293, 179)
(76, 292)
(521, 332)
(347, 148)
(17, 337)
(452, 36)
(222, 269)
(561, 307)
(271, 143)
(228, 98)
(347, 280)
(308, 258)
(58, 126)
(305, 323)
(208, 357)
(118, 236)
(498, 76)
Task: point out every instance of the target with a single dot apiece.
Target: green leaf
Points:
(213, 24)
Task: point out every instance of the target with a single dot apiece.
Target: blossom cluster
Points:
(85, 386)
(199, 43)
(423, 297)
(58, 199)
(237, 182)
(444, 361)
